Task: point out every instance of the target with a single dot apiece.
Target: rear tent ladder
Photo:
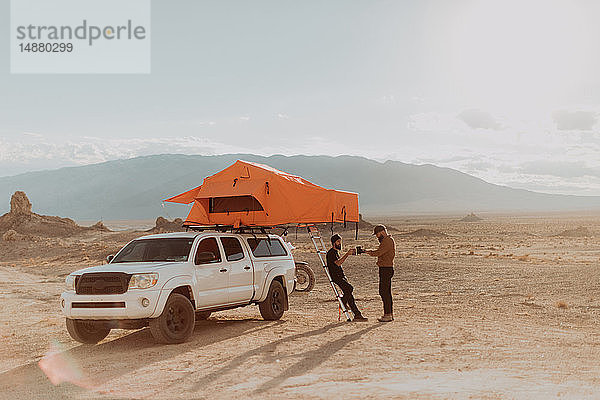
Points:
(317, 241)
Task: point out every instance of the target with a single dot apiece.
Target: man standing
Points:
(385, 254)
(334, 265)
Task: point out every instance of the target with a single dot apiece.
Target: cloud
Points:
(574, 120)
(446, 160)
(389, 99)
(507, 169)
(477, 166)
(88, 150)
(478, 119)
(549, 187)
(31, 154)
(434, 122)
(535, 154)
(561, 169)
(32, 134)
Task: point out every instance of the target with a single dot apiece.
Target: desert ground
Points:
(505, 307)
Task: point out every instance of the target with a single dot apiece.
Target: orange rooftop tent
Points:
(250, 194)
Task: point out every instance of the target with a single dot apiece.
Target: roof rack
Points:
(230, 228)
(254, 229)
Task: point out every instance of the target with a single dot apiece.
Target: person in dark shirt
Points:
(334, 265)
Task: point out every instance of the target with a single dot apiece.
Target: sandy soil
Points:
(500, 308)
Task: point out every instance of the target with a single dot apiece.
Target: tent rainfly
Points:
(250, 194)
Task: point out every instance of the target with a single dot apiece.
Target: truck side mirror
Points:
(109, 258)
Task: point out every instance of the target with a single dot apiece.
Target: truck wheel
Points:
(202, 315)
(305, 278)
(176, 323)
(272, 308)
(86, 331)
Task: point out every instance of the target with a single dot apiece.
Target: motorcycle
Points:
(305, 277)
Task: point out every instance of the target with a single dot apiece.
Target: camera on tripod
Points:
(360, 250)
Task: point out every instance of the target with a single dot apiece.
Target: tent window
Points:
(234, 204)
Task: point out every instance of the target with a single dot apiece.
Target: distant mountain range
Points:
(134, 188)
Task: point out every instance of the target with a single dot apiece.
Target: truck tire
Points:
(176, 323)
(202, 315)
(305, 277)
(273, 306)
(86, 332)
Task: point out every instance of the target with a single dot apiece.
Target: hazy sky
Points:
(505, 90)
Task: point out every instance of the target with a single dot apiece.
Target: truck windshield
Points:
(148, 250)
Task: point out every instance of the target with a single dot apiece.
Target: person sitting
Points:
(334, 265)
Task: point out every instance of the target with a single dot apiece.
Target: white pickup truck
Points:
(168, 281)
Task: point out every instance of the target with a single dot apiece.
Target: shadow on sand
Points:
(309, 360)
(312, 359)
(108, 360)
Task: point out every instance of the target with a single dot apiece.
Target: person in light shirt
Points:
(385, 254)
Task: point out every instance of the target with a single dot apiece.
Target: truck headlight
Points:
(143, 281)
(70, 283)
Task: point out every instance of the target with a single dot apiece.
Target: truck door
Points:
(241, 273)
(212, 274)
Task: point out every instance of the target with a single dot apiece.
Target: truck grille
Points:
(102, 283)
(100, 304)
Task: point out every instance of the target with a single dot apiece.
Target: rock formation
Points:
(21, 223)
(471, 218)
(19, 204)
(164, 225)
